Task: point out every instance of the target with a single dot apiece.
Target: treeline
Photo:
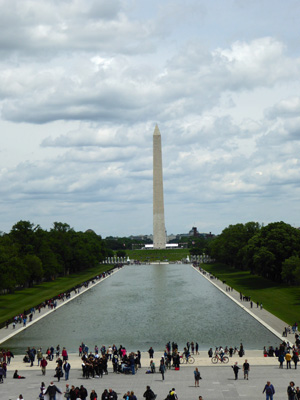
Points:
(272, 251)
(30, 254)
(123, 243)
(198, 245)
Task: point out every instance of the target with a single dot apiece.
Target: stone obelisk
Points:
(159, 232)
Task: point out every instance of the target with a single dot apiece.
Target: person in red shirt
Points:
(44, 365)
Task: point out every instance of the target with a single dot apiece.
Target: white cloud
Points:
(285, 108)
(82, 84)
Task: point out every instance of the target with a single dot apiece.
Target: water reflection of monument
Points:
(159, 231)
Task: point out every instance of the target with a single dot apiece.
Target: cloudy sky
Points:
(83, 83)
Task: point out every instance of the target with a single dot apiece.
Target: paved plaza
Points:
(217, 382)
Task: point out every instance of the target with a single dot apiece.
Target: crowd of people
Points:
(27, 315)
(95, 364)
(230, 351)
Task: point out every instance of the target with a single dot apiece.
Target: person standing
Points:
(246, 369)
(67, 368)
(112, 395)
(149, 394)
(67, 394)
(51, 390)
(270, 391)
(152, 366)
(73, 394)
(83, 392)
(162, 369)
(104, 395)
(291, 391)
(151, 352)
(197, 377)
(39, 356)
(295, 358)
(235, 368)
(288, 358)
(93, 395)
(64, 354)
(42, 391)
(193, 348)
(281, 360)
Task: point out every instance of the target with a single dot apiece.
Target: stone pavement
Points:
(217, 383)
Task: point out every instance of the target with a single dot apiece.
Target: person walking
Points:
(58, 372)
(197, 377)
(43, 365)
(246, 369)
(269, 390)
(236, 369)
(291, 391)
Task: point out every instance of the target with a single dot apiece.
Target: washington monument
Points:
(159, 231)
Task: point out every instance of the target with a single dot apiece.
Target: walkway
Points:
(216, 383)
(7, 333)
(274, 324)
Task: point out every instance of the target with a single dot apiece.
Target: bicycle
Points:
(215, 359)
(184, 360)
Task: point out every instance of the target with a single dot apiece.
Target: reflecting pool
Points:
(148, 305)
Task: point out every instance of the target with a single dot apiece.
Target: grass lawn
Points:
(157, 255)
(281, 300)
(16, 303)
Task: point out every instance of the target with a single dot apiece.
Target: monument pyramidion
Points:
(159, 231)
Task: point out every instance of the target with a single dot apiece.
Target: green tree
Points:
(121, 253)
(22, 234)
(291, 270)
(279, 239)
(228, 246)
(34, 269)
